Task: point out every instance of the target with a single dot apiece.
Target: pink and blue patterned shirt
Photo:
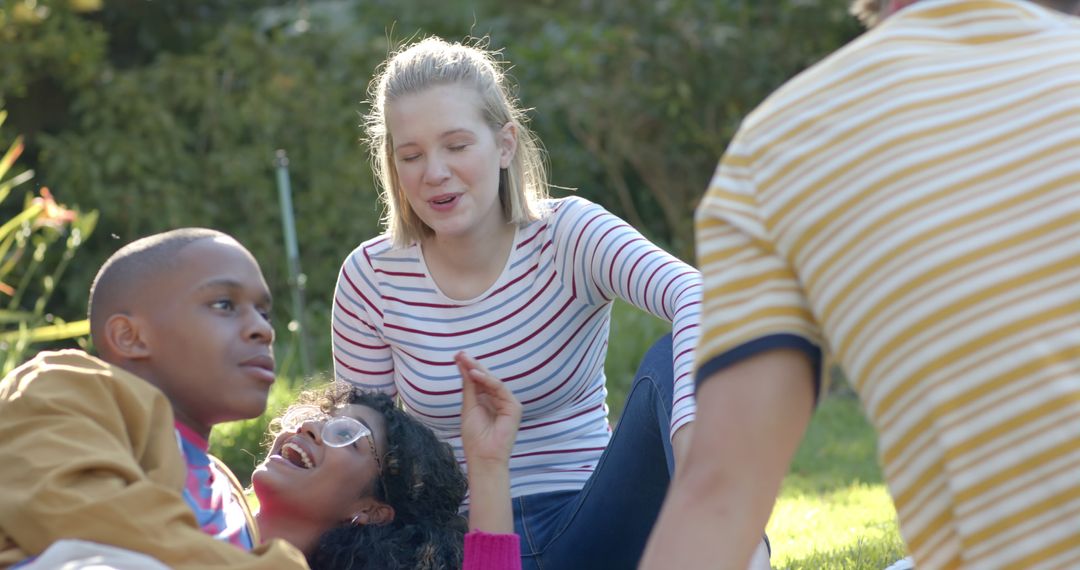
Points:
(209, 493)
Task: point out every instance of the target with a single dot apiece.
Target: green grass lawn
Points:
(834, 511)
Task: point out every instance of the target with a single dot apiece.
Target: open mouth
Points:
(297, 456)
(444, 200)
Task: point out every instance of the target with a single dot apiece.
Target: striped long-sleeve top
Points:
(912, 206)
(542, 328)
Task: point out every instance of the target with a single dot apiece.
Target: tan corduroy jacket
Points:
(89, 451)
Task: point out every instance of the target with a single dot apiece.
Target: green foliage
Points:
(165, 114)
(43, 43)
(633, 331)
(637, 99)
(48, 51)
(839, 449)
(652, 91)
(139, 31)
(189, 140)
(36, 246)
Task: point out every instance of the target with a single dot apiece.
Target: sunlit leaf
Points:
(11, 155)
(14, 316)
(7, 185)
(49, 333)
(21, 218)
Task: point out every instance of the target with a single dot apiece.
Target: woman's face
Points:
(305, 478)
(448, 159)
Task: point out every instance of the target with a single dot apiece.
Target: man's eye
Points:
(223, 304)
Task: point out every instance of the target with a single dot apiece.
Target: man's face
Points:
(209, 339)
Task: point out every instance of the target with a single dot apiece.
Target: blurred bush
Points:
(36, 245)
(637, 99)
(189, 141)
(164, 114)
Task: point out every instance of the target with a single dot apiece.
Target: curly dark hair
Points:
(422, 482)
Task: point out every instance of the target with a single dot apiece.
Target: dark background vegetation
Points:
(162, 114)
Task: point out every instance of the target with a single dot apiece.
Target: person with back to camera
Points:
(476, 257)
(911, 205)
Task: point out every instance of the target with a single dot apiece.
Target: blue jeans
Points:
(606, 524)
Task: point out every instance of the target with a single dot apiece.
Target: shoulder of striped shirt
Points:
(559, 206)
(572, 207)
(377, 245)
(380, 247)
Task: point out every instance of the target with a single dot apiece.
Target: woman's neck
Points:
(302, 534)
(466, 266)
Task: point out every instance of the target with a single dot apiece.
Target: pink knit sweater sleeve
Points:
(485, 551)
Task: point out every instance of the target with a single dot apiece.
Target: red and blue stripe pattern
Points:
(542, 327)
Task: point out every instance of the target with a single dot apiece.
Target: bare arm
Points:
(751, 417)
(490, 416)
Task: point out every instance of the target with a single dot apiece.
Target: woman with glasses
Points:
(355, 482)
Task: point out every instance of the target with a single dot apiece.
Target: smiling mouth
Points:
(442, 201)
(296, 455)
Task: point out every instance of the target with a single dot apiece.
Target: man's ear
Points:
(374, 513)
(125, 337)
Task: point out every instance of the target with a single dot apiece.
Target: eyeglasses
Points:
(337, 431)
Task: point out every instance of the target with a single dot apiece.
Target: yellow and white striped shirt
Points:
(911, 206)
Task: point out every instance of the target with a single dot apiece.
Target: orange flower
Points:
(52, 214)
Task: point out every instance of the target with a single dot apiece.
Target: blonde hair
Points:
(434, 62)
